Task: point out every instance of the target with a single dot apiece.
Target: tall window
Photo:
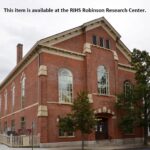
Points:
(127, 88)
(5, 97)
(94, 40)
(0, 104)
(22, 123)
(23, 90)
(5, 126)
(65, 85)
(13, 97)
(108, 44)
(102, 77)
(101, 40)
(63, 133)
(12, 125)
(1, 127)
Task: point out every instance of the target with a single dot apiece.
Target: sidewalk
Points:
(127, 147)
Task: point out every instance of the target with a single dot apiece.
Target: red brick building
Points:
(42, 86)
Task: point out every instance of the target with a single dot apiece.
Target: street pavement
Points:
(128, 147)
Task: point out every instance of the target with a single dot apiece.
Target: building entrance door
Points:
(101, 129)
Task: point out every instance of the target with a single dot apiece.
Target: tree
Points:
(141, 63)
(82, 117)
(135, 106)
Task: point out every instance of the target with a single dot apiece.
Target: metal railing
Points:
(20, 141)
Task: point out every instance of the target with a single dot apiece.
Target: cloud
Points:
(27, 28)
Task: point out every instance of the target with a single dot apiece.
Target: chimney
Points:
(19, 52)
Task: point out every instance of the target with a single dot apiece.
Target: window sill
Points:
(97, 94)
(65, 103)
(98, 46)
(63, 137)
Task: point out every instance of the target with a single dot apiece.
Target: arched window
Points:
(23, 78)
(102, 77)
(0, 103)
(65, 85)
(127, 87)
(5, 97)
(13, 96)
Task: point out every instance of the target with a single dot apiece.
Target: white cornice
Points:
(125, 67)
(124, 51)
(62, 52)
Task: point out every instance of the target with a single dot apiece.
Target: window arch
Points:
(13, 96)
(6, 101)
(0, 103)
(23, 78)
(127, 87)
(65, 80)
(102, 78)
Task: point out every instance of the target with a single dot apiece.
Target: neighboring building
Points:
(43, 85)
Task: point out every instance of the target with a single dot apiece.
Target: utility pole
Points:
(32, 133)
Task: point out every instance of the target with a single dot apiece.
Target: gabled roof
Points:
(94, 23)
(54, 39)
(70, 33)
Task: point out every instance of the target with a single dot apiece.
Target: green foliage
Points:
(135, 107)
(127, 123)
(82, 117)
(83, 114)
(66, 123)
(126, 107)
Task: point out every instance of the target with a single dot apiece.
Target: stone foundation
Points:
(114, 142)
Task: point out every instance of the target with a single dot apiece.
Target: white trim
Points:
(123, 52)
(97, 94)
(64, 35)
(59, 39)
(18, 111)
(59, 81)
(126, 69)
(65, 103)
(13, 94)
(0, 104)
(67, 54)
(106, 73)
(79, 30)
(16, 74)
(5, 101)
(125, 65)
(59, 103)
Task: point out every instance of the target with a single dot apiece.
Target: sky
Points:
(29, 27)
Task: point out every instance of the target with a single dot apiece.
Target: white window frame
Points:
(100, 86)
(127, 86)
(13, 96)
(61, 92)
(6, 101)
(109, 45)
(0, 103)
(23, 92)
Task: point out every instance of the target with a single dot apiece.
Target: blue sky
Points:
(27, 28)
